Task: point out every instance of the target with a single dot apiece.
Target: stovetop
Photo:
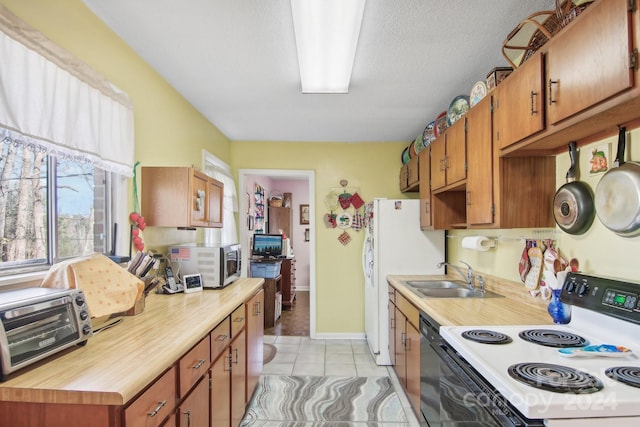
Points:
(603, 397)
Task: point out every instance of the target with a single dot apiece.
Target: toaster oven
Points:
(38, 322)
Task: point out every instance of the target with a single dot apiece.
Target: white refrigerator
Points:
(393, 245)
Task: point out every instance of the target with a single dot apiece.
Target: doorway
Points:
(245, 186)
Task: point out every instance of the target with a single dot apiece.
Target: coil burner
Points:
(629, 375)
(552, 338)
(556, 378)
(485, 336)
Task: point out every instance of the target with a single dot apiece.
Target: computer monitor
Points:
(267, 245)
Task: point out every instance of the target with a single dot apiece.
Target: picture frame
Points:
(304, 214)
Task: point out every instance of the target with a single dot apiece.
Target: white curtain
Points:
(50, 101)
(221, 171)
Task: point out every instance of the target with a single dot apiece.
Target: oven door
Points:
(452, 394)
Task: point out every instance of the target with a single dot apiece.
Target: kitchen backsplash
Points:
(600, 251)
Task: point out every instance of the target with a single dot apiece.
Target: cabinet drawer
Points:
(408, 309)
(220, 338)
(237, 321)
(155, 404)
(194, 365)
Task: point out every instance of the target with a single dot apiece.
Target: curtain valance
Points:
(49, 100)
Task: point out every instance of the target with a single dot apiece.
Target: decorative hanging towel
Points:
(345, 200)
(357, 201)
(344, 238)
(330, 220)
(358, 221)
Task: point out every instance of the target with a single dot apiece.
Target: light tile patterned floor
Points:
(306, 356)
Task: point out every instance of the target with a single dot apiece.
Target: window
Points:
(217, 169)
(51, 208)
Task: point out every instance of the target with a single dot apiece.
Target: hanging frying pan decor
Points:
(617, 196)
(573, 206)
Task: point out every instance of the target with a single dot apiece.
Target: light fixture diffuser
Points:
(326, 34)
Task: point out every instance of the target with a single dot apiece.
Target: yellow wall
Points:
(599, 251)
(374, 169)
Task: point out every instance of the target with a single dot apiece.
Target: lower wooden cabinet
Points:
(238, 359)
(255, 341)
(406, 348)
(194, 410)
(220, 395)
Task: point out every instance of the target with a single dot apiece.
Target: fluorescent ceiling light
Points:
(327, 34)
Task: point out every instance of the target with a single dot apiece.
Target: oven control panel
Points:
(614, 297)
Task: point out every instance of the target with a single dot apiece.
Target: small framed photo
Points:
(304, 214)
(192, 283)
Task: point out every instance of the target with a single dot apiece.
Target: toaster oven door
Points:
(32, 332)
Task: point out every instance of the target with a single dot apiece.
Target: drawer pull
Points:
(532, 97)
(157, 409)
(239, 319)
(222, 338)
(236, 350)
(199, 364)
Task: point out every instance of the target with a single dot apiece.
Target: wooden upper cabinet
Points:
(180, 197)
(589, 63)
(410, 175)
(479, 173)
(424, 163)
(519, 103)
(449, 157)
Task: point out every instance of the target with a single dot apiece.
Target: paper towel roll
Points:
(477, 243)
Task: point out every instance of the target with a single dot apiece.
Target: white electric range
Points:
(563, 391)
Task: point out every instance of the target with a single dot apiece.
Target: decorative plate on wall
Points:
(478, 91)
(441, 124)
(458, 108)
(428, 135)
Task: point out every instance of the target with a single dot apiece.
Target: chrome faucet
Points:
(468, 276)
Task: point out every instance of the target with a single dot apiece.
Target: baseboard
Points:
(341, 336)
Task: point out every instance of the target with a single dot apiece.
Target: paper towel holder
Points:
(478, 243)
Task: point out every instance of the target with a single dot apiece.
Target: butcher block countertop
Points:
(117, 363)
(516, 308)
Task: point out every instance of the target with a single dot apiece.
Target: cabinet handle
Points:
(188, 414)
(441, 164)
(256, 308)
(157, 409)
(551, 83)
(403, 340)
(199, 364)
(239, 319)
(407, 344)
(236, 350)
(222, 338)
(532, 97)
(446, 162)
(230, 360)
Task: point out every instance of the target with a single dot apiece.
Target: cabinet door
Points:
(255, 340)
(238, 378)
(455, 152)
(280, 219)
(479, 173)
(589, 63)
(424, 164)
(399, 344)
(215, 195)
(220, 395)
(412, 352)
(518, 103)
(199, 203)
(437, 169)
(194, 410)
(392, 332)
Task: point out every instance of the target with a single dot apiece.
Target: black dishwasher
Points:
(452, 393)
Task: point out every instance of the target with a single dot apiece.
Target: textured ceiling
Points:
(235, 61)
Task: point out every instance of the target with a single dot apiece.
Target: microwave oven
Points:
(218, 266)
(38, 322)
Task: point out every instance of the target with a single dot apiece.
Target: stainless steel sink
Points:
(430, 284)
(446, 289)
(454, 293)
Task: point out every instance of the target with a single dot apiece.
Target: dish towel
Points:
(108, 288)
